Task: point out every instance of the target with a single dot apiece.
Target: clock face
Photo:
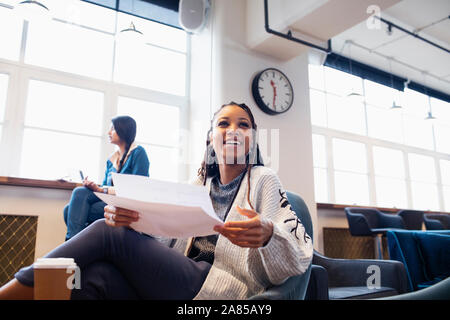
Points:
(272, 91)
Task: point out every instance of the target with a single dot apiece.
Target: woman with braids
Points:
(260, 244)
(84, 206)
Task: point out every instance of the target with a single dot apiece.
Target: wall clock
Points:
(272, 91)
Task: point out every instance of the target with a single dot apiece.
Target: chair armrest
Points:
(354, 272)
(293, 288)
(391, 221)
(358, 224)
(433, 224)
(318, 284)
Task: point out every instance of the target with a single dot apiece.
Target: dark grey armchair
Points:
(347, 278)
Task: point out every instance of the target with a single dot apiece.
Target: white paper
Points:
(166, 209)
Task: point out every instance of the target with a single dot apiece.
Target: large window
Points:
(390, 179)
(3, 90)
(350, 172)
(62, 80)
(445, 173)
(158, 133)
(368, 153)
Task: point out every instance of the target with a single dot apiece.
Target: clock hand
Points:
(274, 91)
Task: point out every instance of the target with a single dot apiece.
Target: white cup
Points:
(53, 278)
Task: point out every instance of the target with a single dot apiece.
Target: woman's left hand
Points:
(252, 233)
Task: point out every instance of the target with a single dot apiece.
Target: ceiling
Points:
(410, 57)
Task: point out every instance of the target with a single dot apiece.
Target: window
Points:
(3, 91)
(423, 182)
(158, 132)
(69, 48)
(445, 179)
(11, 34)
(380, 156)
(159, 66)
(151, 67)
(345, 114)
(390, 181)
(341, 83)
(70, 76)
(320, 168)
(63, 125)
(384, 124)
(441, 110)
(318, 108)
(62, 108)
(351, 180)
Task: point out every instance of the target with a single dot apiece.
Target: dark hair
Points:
(210, 167)
(125, 128)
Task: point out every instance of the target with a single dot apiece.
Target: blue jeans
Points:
(120, 263)
(83, 209)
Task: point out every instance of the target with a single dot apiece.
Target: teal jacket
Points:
(135, 163)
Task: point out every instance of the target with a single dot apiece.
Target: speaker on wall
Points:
(193, 14)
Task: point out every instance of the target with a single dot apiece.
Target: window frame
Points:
(370, 143)
(21, 73)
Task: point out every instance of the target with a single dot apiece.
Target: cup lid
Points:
(51, 263)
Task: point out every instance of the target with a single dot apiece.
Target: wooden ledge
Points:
(333, 206)
(36, 183)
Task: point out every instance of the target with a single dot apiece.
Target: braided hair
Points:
(210, 167)
(125, 127)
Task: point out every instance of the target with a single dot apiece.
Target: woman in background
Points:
(84, 206)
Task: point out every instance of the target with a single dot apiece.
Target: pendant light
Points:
(395, 106)
(131, 34)
(429, 118)
(33, 11)
(353, 93)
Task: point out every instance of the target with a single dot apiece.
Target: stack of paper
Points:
(166, 209)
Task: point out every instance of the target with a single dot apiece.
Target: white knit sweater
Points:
(239, 273)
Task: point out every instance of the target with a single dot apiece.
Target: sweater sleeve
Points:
(290, 249)
(141, 164)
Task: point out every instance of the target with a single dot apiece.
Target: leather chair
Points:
(295, 287)
(437, 221)
(372, 222)
(413, 219)
(425, 255)
(347, 278)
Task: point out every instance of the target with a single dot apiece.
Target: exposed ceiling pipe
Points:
(391, 24)
(288, 35)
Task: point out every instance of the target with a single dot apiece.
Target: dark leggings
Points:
(120, 263)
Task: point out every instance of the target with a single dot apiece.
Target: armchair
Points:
(413, 219)
(437, 221)
(347, 278)
(372, 222)
(295, 287)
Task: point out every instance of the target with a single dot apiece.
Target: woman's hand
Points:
(91, 185)
(119, 217)
(252, 233)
